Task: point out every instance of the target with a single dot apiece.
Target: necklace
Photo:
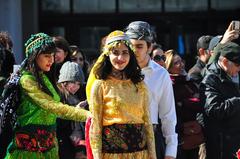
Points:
(118, 74)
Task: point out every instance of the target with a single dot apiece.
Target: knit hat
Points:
(139, 30)
(71, 72)
(231, 51)
(36, 42)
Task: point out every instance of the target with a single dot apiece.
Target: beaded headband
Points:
(36, 41)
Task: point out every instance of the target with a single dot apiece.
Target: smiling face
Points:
(177, 65)
(119, 57)
(45, 61)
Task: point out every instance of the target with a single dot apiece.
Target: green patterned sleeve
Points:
(96, 125)
(46, 102)
(148, 126)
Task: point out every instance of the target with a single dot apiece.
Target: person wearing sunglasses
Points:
(158, 55)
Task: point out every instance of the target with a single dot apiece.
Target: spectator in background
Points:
(212, 44)
(158, 55)
(217, 42)
(62, 55)
(187, 106)
(229, 35)
(195, 73)
(70, 134)
(7, 61)
(221, 97)
(7, 55)
(80, 58)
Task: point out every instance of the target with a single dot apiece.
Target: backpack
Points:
(10, 102)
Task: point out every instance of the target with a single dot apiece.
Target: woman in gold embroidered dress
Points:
(35, 133)
(118, 99)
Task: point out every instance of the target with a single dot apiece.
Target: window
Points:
(225, 5)
(140, 6)
(59, 6)
(185, 5)
(58, 31)
(90, 39)
(93, 6)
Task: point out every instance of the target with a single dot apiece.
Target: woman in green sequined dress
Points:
(35, 133)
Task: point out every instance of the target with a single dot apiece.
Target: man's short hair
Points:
(203, 42)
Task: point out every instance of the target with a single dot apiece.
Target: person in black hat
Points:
(221, 97)
(157, 79)
(203, 56)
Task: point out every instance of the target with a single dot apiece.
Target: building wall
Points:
(11, 21)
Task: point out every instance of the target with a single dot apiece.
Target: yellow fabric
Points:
(106, 50)
(46, 102)
(119, 102)
(91, 77)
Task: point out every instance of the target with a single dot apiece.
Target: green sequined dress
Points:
(35, 134)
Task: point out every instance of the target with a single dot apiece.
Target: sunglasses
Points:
(159, 58)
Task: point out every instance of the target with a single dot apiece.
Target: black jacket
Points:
(221, 99)
(195, 73)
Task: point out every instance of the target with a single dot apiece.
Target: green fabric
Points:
(29, 113)
(216, 54)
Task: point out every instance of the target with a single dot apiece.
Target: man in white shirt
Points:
(160, 88)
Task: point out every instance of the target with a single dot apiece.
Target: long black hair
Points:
(43, 47)
(132, 70)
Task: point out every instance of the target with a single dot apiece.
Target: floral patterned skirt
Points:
(123, 138)
(34, 141)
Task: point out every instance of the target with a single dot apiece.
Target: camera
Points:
(236, 25)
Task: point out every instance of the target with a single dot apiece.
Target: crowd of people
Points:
(137, 100)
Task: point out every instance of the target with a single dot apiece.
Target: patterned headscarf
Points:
(36, 41)
(139, 30)
(112, 41)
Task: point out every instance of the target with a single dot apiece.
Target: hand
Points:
(169, 157)
(229, 34)
(82, 104)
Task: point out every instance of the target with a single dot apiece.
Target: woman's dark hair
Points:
(62, 43)
(31, 65)
(75, 50)
(132, 70)
(7, 57)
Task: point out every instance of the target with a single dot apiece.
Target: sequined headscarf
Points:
(35, 43)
